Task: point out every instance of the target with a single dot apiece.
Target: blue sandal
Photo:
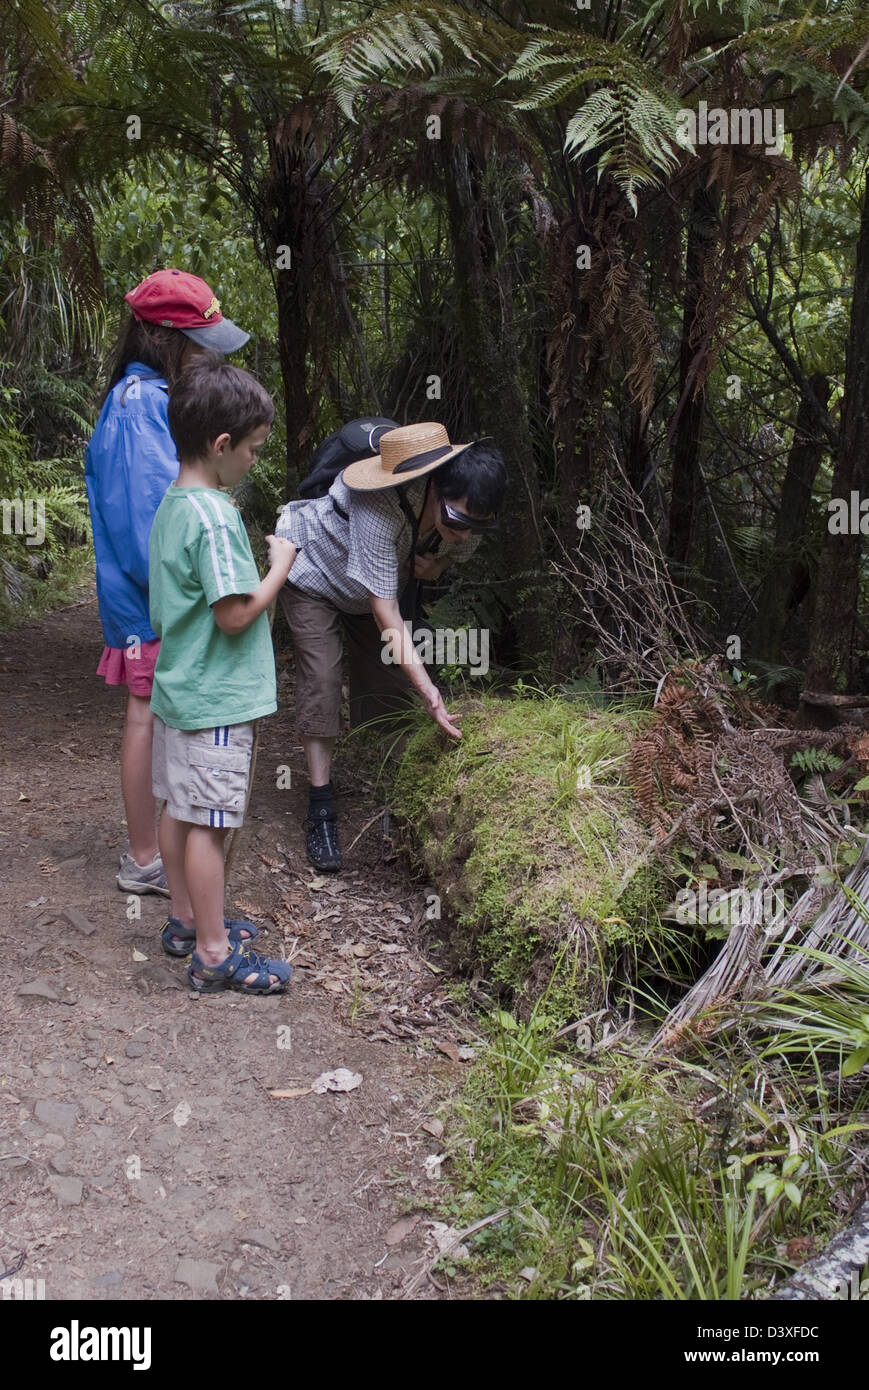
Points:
(179, 941)
(232, 973)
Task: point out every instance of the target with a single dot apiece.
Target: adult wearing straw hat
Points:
(355, 547)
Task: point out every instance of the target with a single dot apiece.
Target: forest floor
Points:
(141, 1154)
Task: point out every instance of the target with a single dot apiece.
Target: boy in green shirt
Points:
(215, 673)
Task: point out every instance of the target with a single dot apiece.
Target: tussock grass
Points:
(626, 1179)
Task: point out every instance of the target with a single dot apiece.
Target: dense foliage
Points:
(497, 215)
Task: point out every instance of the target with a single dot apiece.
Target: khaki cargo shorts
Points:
(202, 774)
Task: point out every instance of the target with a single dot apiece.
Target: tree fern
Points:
(636, 131)
(628, 119)
(399, 38)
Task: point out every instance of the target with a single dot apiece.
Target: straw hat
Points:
(405, 453)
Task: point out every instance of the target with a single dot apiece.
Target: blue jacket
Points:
(130, 462)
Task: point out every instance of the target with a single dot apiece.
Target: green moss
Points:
(527, 831)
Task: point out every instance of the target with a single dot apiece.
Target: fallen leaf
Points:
(434, 1127)
(181, 1113)
(432, 1165)
(449, 1050)
(392, 948)
(339, 1080)
(137, 955)
(445, 1238)
(291, 1095)
(334, 985)
(245, 908)
(401, 1228)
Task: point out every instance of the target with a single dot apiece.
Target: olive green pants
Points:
(320, 631)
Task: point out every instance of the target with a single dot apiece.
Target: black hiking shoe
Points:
(321, 827)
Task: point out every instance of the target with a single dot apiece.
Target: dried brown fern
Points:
(729, 787)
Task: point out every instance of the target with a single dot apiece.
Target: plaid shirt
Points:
(346, 561)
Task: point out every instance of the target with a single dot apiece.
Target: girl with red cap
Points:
(130, 462)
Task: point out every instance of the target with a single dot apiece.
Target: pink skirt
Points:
(130, 666)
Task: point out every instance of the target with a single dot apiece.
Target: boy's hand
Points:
(282, 553)
(236, 612)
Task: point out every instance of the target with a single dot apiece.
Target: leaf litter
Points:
(366, 952)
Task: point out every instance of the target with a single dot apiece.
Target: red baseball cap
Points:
(176, 299)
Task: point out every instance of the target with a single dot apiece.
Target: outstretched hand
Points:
(439, 713)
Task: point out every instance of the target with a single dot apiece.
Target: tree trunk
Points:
(784, 585)
(687, 430)
(832, 659)
(575, 392)
(492, 355)
(292, 347)
(299, 218)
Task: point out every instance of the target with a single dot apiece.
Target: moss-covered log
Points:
(527, 831)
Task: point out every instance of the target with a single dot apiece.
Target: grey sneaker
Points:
(138, 878)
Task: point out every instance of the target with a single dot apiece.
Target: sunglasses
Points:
(458, 521)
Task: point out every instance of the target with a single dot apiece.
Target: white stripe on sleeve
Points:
(218, 577)
(224, 533)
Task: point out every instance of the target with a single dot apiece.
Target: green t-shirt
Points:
(199, 552)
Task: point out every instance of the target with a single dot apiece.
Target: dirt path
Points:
(141, 1155)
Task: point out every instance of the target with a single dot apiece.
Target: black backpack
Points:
(356, 440)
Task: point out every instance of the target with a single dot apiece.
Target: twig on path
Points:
(367, 826)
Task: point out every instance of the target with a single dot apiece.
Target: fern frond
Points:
(638, 132)
(396, 39)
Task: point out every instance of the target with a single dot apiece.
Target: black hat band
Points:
(420, 460)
